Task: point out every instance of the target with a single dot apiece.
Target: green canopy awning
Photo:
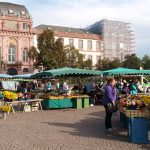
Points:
(71, 72)
(125, 71)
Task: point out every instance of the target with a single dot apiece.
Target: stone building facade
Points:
(16, 37)
(88, 44)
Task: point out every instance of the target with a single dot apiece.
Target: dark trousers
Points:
(91, 97)
(108, 118)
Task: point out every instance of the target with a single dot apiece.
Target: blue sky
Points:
(82, 13)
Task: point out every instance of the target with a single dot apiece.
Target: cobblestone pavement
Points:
(72, 129)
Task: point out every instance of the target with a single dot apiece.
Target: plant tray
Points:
(136, 113)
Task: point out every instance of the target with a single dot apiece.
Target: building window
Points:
(10, 11)
(11, 54)
(80, 44)
(89, 44)
(22, 13)
(25, 26)
(98, 45)
(89, 57)
(25, 55)
(25, 70)
(71, 42)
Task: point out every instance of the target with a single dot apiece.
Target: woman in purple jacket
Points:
(109, 97)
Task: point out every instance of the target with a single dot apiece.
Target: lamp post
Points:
(121, 54)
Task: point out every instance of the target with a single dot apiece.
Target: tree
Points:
(60, 53)
(87, 64)
(51, 52)
(73, 56)
(33, 55)
(146, 62)
(106, 64)
(132, 61)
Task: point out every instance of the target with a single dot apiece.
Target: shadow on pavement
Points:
(93, 126)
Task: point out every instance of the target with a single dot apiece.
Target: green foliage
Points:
(75, 59)
(132, 61)
(88, 64)
(146, 62)
(51, 52)
(106, 64)
(33, 53)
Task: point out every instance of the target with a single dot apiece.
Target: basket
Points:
(136, 113)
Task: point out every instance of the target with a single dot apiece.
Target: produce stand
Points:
(54, 102)
(57, 103)
(134, 115)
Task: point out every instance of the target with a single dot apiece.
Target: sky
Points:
(82, 13)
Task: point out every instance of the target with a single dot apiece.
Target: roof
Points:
(67, 72)
(63, 29)
(125, 71)
(13, 9)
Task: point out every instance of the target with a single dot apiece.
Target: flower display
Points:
(146, 99)
(5, 108)
(132, 102)
(9, 95)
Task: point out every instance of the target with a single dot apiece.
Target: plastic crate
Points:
(138, 130)
(85, 102)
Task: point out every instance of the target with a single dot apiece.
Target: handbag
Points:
(112, 108)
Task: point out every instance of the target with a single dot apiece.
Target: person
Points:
(48, 86)
(99, 93)
(125, 89)
(57, 86)
(109, 97)
(119, 86)
(133, 88)
(65, 87)
(90, 87)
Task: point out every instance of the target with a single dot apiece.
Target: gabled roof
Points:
(63, 29)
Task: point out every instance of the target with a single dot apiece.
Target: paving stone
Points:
(81, 129)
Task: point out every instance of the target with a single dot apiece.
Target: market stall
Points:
(125, 71)
(64, 101)
(68, 100)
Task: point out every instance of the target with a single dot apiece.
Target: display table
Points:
(76, 102)
(57, 103)
(23, 104)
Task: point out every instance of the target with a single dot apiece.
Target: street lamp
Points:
(121, 53)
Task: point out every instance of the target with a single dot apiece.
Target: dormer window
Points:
(10, 11)
(23, 13)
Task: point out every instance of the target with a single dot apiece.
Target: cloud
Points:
(82, 13)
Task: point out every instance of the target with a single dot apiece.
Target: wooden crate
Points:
(136, 113)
